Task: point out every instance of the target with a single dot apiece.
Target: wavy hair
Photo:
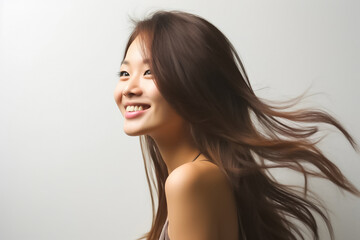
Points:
(199, 73)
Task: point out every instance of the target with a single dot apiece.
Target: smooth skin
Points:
(201, 204)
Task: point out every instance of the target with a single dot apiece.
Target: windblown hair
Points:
(199, 73)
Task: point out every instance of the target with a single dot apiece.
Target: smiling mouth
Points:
(135, 108)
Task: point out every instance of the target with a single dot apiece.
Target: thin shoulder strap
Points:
(196, 156)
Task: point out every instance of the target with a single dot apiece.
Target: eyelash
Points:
(121, 73)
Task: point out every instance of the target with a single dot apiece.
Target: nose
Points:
(133, 87)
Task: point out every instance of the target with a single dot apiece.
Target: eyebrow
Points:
(145, 61)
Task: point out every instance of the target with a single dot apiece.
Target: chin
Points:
(133, 132)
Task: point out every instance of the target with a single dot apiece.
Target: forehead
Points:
(137, 52)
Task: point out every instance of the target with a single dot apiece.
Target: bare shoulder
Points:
(195, 195)
(192, 175)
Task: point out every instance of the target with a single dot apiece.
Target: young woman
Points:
(211, 141)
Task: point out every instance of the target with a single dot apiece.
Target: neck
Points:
(176, 149)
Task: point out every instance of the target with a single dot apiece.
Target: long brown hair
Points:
(199, 73)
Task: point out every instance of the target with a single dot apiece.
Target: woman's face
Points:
(145, 110)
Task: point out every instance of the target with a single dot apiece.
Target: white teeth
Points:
(134, 108)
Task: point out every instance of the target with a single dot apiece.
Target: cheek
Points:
(156, 97)
(118, 94)
(164, 109)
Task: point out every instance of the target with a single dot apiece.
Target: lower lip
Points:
(129, 115)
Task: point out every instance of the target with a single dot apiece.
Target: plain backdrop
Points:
(67, 170)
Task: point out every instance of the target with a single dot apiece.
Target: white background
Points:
(67, 170)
